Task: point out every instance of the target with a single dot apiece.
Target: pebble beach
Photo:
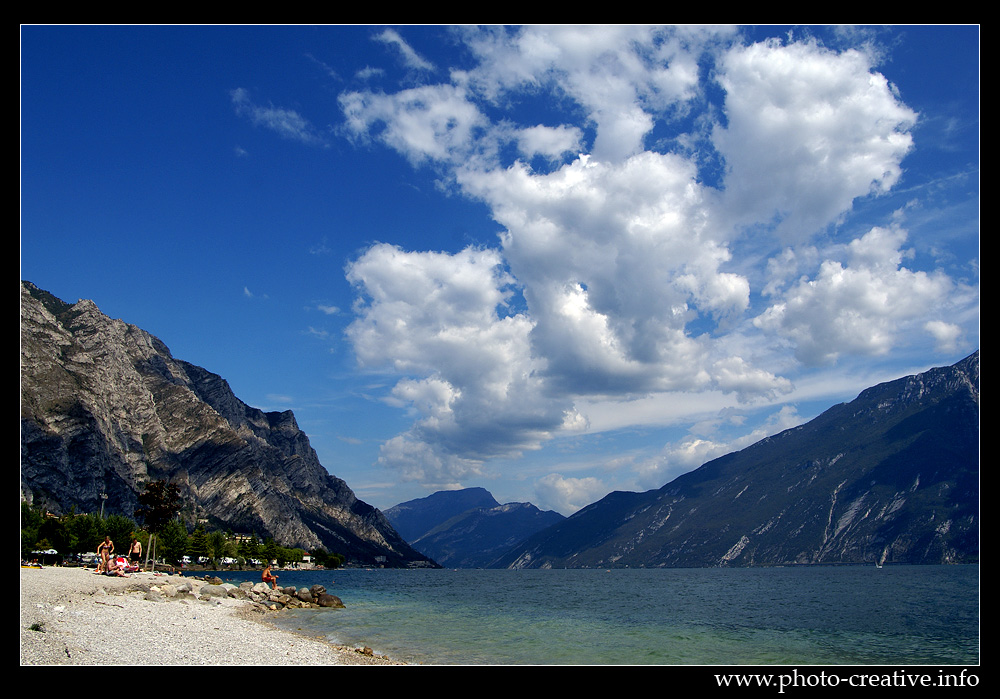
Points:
(73, 616)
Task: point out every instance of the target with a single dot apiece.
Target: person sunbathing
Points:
(117, 569)
(268, 577)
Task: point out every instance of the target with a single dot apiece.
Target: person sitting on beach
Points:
(116, 567)
(268, 577)
(116, 571)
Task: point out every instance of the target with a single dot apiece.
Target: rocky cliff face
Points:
(891, 477)
(105, 408)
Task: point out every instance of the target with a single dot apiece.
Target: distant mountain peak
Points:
(466, 528)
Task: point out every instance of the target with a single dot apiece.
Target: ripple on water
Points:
(907, 615)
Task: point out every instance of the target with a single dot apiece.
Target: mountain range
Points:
(467, 528)
(890, 477)
(106, 408)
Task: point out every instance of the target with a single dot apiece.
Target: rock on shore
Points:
(72, 616)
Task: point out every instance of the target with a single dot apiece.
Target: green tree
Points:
(159, 503)
(249, 548)
(32, 519)
(198, 543)
(120, 528)
(54, 533)
(327, 560)
(85, 532)
(286, 555)
(220, 546)
(269, 550)
(173, 541)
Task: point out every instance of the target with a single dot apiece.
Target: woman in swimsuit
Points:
(106, 548)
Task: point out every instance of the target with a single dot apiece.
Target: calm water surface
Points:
(912, 615)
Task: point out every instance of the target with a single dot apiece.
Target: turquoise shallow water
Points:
(908, 615)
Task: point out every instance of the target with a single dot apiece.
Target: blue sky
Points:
(549, 261)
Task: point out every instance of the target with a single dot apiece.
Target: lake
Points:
(816, 615)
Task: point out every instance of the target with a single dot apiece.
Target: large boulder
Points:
(327, 600)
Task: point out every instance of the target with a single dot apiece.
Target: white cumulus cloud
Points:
(615, 276)
(855, 305)
(808, 131)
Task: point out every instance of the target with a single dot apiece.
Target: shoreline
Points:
(73, 616)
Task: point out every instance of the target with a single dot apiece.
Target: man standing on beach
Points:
(134, 553)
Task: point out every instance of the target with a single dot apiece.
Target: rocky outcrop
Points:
(105, 408)
(260, 594)
(257, 596)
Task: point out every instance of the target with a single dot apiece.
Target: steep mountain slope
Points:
(467, 528)
(474, 539)
(105, 408)
(414, 518)
(892, 476)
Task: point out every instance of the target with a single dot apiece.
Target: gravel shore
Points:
(73, 616)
